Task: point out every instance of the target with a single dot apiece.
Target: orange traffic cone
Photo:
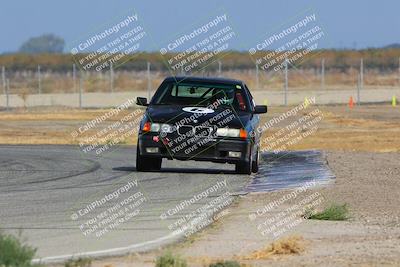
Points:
(351, 102)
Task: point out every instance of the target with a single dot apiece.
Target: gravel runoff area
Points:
(368, 182)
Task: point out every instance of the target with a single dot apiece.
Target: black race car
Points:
(197, 118)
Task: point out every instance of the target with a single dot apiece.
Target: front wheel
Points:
(243, 167)
(254, 165)
(144, 163)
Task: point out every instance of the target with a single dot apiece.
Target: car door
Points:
(255, 118)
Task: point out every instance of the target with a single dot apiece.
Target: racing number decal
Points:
(198, 110)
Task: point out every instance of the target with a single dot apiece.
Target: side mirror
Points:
(260, 109)
(141, 101)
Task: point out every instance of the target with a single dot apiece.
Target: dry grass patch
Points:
(343, 129)
(60, 115)
(284, 246)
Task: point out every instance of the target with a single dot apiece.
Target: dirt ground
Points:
(362, 146)
(368, 182)
(373, 128)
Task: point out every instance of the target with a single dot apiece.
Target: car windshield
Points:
(201, 94)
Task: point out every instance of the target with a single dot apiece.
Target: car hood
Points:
(190, 115)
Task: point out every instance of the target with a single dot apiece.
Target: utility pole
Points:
(219, 68)
(286, 81)
(148, 81)
(39, 81)
(323, 74)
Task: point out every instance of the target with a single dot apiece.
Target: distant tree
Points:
(396, 45)
(47, 43)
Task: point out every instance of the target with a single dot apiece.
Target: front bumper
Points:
(214, 150)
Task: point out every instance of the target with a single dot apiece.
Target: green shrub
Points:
(13, 253)
(225, 264)
(169, 260)
(80, 262)
(334, 212)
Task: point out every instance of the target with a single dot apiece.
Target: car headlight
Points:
(227, 132)
(166, 128)
(157, 127)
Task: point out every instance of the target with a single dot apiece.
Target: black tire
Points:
(147, 163)
(243, 167)
(254, 165)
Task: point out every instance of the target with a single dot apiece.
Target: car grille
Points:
(186, 130)
(190, 130)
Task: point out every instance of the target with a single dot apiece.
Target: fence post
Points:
(286, 81)
(358, 88)
(39, 81)
(361, 81)
(148, 81)
(3, 76)
(80, 88)
(74, 76)
(7, 94)
(111, 77)
(362, 72)
(257, 79)
(323, 74)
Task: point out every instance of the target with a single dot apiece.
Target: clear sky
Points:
(349, 24)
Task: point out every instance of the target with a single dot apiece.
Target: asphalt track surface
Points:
(43, 187)
(46, 191)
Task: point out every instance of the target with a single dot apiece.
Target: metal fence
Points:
(291, 80)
